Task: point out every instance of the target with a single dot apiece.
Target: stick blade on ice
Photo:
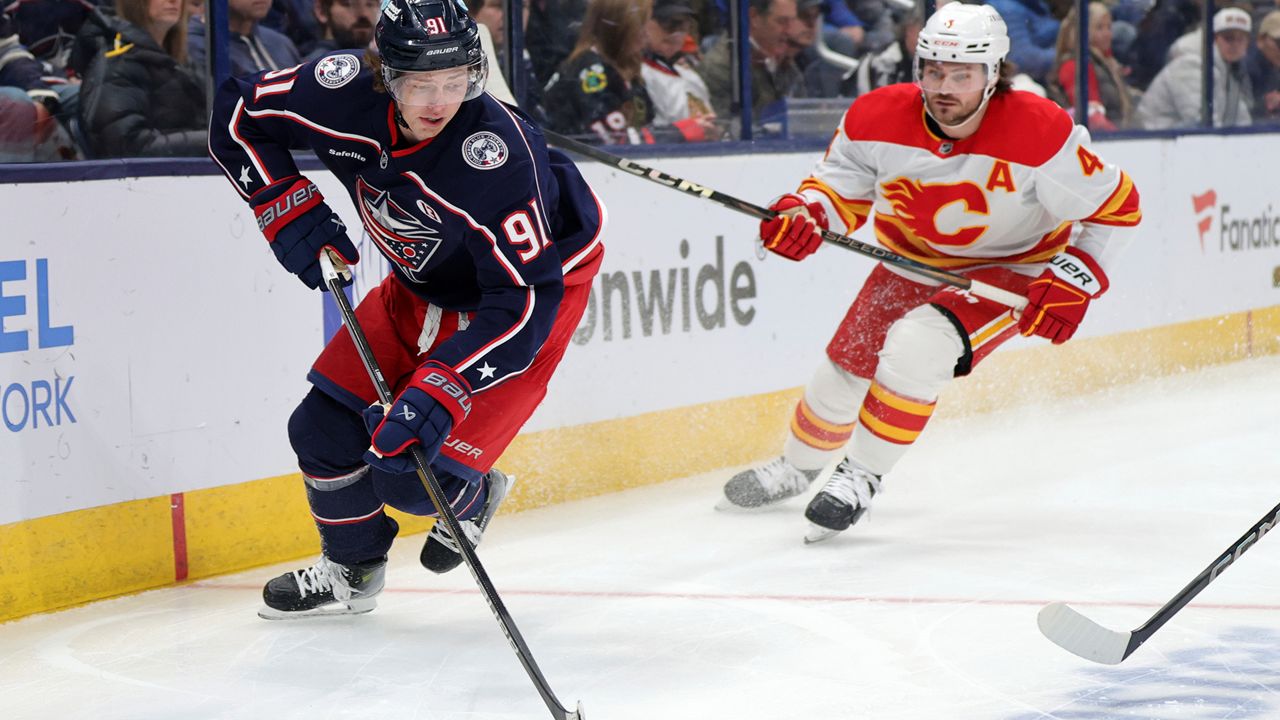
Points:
(1080, 635)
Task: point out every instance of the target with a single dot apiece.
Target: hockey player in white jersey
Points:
(960, 172)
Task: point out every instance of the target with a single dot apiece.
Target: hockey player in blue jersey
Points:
(493, 240)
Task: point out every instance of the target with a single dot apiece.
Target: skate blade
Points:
(358, 607)
(817, 534)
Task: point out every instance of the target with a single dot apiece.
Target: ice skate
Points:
(326, 588)
(758, 487)
(841, 502)
(441, 554)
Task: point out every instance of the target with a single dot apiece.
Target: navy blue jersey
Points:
(482, 219)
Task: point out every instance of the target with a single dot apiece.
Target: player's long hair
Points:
(175, 41)
(615, 29)
(373, 61)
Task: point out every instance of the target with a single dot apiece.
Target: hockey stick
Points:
(976, 287)
(1091, 641)
(428, 478)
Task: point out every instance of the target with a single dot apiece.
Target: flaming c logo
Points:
(917, 205)
(1203, 202)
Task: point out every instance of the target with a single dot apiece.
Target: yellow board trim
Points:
(63, 560)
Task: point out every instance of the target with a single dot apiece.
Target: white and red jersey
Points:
(1010, 194)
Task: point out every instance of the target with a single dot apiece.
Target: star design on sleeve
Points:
(244, 176)
(487, 371)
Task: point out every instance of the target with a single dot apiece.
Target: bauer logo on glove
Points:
(1058, 299)
(299, 225)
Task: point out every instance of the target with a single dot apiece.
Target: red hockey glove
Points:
(434, 402)
(294, 217)
(1058, 299)
(796, 231)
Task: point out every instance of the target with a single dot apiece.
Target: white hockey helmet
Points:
(962, 33)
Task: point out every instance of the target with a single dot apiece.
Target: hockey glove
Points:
(1058, 299)
(796, 231)
(299, 225)
(435, 401)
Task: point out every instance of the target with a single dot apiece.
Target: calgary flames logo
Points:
(402, 236)
(917, 205)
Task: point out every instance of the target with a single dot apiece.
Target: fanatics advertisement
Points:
(153, 345)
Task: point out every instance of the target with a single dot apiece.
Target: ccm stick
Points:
(1091, 641)
(976, 287)
(333, 282)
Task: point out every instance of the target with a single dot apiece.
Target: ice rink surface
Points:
(649, 604)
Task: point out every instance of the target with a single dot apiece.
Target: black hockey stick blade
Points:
(1078, 634)
(432, 486)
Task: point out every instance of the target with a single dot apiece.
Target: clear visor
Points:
(936, 76)
(437, 87)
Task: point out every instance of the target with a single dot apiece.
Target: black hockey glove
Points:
(299, 225)
(435, 401)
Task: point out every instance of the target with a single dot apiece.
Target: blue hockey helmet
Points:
(421, 36)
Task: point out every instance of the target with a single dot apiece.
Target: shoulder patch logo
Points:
(593, 79)
(334, 71)
(484, 151)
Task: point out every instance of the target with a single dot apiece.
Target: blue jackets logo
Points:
(484, 151)
(334, 71)
(404, 238)
(31, 404)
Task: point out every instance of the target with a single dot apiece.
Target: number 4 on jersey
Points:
(1089, 163)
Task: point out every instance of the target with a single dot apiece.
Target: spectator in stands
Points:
(139, 97)
(598, 90)
(344, 24)
(19, 70)
(254, 48)
(552, 33)
(1167, 21)
(1263, 66)
(1173, 100)
(297, 20)
(1110, 104)
(1125, 16)
(774, 74)
(821, 78)
(842, 29)
(680, 97)
(1263, 8)
(29, 131)
(491, 21)
(709, 17)
(493, 15)
(1033, 32)
(895, 63)
(48, 28)
(879, 21)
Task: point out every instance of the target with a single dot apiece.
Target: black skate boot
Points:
(441, 553)
(841, 502)
(325, 588)
(766, 484)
